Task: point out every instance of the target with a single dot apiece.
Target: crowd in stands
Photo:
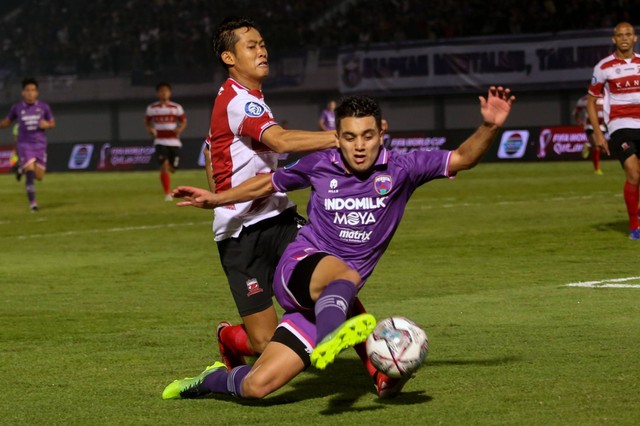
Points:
(117, 36)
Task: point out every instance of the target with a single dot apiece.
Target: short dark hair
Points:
(358, 106)
(225, 39)
(162, 84)
(29, 80)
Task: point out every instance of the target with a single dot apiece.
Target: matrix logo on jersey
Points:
(355, 236)
(513, 144)
(382, 184)
(253, 109)
(364, 203)
(80, 156)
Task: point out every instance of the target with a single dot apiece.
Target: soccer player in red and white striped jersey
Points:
(617, 77)
(165, 120)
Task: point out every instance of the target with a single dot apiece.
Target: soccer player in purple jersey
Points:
(327, 119)
(33, 117)
(358, 195)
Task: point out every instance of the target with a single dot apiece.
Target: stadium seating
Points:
(112, 37)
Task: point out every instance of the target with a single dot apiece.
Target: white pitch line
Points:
(118, 229)
(609, 283)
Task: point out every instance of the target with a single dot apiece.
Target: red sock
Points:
(235, 337)
(631, 199)
(165, 178)
(361, 348)
(595, 157)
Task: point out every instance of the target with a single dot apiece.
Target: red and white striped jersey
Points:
(582, 117)
(164, 119)
(619, 81)
(239, 118)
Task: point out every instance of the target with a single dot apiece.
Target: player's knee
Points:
(350, 275)
(256, 386)
(259, 342)
(633, 176)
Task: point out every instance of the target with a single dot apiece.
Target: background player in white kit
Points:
(165, 121)
(617, 78)
(582, 119)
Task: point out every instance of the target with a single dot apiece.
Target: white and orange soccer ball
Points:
(397, 347)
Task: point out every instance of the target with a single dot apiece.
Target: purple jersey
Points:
(328, 119)
(353, 218)
(28, 117)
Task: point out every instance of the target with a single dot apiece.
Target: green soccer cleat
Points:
(189, 387)
(353, 331)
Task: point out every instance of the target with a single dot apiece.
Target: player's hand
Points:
(496, 107)
(601, 143)
(195, 197)
(44, 124)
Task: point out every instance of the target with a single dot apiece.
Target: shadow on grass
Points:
(345, 382)
(621, 226)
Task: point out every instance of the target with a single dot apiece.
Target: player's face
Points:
(624, 38)
(30, 93)
(164, 94)
(249, 60)
(359, 141)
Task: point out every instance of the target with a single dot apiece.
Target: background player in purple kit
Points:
(327, 119)
(33, 117)
(359, 193)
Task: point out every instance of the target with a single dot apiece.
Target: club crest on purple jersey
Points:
(382, 184)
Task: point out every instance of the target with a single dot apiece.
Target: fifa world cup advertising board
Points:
(561, 143)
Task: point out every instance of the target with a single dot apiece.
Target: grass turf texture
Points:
(109, 293)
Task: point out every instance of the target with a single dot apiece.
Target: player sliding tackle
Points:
(321, 272)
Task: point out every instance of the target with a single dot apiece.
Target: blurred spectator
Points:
(115, 36)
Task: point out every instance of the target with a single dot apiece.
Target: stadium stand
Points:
(112, 37)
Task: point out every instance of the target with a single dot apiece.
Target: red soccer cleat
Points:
(228, 355)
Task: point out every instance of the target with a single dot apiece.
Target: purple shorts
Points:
(299, 321)
(29, 153)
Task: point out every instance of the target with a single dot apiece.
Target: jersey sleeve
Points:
(423, 166)
(147, 115)
(597, 81)
(180, 114)
(296, 175)
(13, 114)
(251, 116)
(48, 114)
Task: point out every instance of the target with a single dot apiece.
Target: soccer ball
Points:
(397, 347)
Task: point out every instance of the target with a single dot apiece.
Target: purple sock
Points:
(235, 379)
(216, 382)
(30, 187)
(227, 382)
(332, 306)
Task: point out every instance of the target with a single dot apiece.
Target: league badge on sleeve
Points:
(253, 109)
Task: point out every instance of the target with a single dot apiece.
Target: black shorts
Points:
(249, 260)
(624, 143)
(171, 153)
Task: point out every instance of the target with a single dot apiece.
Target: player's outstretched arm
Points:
(256, 187)
(281, 140)
(495, 109)
(598, 136)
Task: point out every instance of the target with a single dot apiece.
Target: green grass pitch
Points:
(109, 293)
